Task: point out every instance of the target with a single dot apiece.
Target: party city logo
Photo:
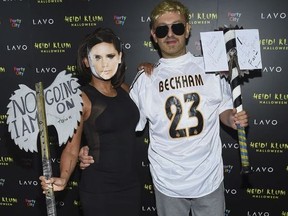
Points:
(30, 202)
(234, 16)
(269, 147)
(2, 182)
(2, 69)
(273, 16)
(6, 161)
(19, 71)
(52, 47)
(266, 193)
(49, 1)
(83, 20)
(271, 99)
(228, 168)
(274, 44)
(3, 118)
(8, 201)
(202, 18)
(119, 20)
(15, 23)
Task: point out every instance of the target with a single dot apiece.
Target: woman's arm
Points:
(69, 155)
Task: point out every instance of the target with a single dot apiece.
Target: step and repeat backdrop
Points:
(39, 39)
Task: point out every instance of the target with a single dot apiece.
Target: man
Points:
(183, 106)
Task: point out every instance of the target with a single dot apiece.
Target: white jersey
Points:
(182, 104)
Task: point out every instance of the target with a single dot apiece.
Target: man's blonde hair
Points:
(169, 6)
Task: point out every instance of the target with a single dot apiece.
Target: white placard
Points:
(63, 104)
(214, 51)
(248, 49)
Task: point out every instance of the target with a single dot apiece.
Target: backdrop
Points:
(39, 38)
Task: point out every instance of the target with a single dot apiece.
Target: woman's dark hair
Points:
(98, 36)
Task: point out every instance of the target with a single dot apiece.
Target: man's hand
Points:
(84, 158)
(240, 118)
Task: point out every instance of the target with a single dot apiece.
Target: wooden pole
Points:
(45, 151)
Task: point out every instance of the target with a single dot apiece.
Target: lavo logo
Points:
(55, 160)
(46, 70)
(277, 69)
(43, 21)
(265, 122)
(148, 208)
(281, 15)
(257, 213)
(145, 19)
(28, 183)
(16, 47)
(263, 169)
(230, 145)
(231, 191)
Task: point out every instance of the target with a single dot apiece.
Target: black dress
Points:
(110, 186)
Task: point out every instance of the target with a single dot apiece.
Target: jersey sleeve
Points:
(137, 94)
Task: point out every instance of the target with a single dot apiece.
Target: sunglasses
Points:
(177, 29)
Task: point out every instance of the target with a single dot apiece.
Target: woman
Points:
(109, 186)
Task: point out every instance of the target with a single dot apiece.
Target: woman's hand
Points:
(147, 67)
(58, 184)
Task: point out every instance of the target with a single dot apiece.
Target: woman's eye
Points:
(97, 57)
(111, 56)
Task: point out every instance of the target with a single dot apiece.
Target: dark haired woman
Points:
(109, 186)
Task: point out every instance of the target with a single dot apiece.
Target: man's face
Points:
(172, 44)
(103, 59)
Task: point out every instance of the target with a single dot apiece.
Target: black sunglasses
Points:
(177, 29)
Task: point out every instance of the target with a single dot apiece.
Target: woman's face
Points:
(103, 59)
